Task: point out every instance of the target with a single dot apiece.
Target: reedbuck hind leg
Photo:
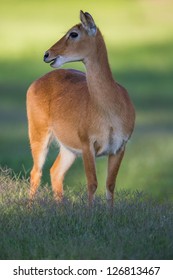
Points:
(61, 165)
(114, 162)
(39, 147)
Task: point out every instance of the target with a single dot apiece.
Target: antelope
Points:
(89, 114)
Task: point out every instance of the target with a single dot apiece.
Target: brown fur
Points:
(87, 113)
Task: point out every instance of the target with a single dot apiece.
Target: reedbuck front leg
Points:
(90, 171)
(61, 165)
(114, 162)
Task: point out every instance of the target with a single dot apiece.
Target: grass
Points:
(139, 40)
(139, 44)
(71, 230)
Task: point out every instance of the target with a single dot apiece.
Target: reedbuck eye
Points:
(73, 35)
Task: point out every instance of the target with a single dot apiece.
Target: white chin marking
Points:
(58, 62)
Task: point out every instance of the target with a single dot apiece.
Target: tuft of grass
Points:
(138, 227)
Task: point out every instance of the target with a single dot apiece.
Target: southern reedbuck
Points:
(89, 113)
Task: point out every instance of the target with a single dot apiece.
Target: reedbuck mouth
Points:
(55, 62)
(47, 58)
(89, 114)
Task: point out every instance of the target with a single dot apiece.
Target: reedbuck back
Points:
(89, 114)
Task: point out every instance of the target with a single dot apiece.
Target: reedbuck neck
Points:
(100, 82)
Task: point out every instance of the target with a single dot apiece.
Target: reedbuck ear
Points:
(88, 23)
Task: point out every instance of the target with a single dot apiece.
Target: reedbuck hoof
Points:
(30, 203)
(58, 198)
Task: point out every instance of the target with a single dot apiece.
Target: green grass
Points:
(138, 35)
(139, 39)
(138, 227)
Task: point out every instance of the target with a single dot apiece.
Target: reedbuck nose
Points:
(46, 55)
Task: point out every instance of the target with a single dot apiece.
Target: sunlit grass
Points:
(28, 26)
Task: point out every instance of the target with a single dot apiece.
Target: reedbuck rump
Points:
(89, 113)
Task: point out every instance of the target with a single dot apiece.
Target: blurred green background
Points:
(139, 38)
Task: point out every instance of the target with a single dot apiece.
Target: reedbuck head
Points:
(77, 43)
